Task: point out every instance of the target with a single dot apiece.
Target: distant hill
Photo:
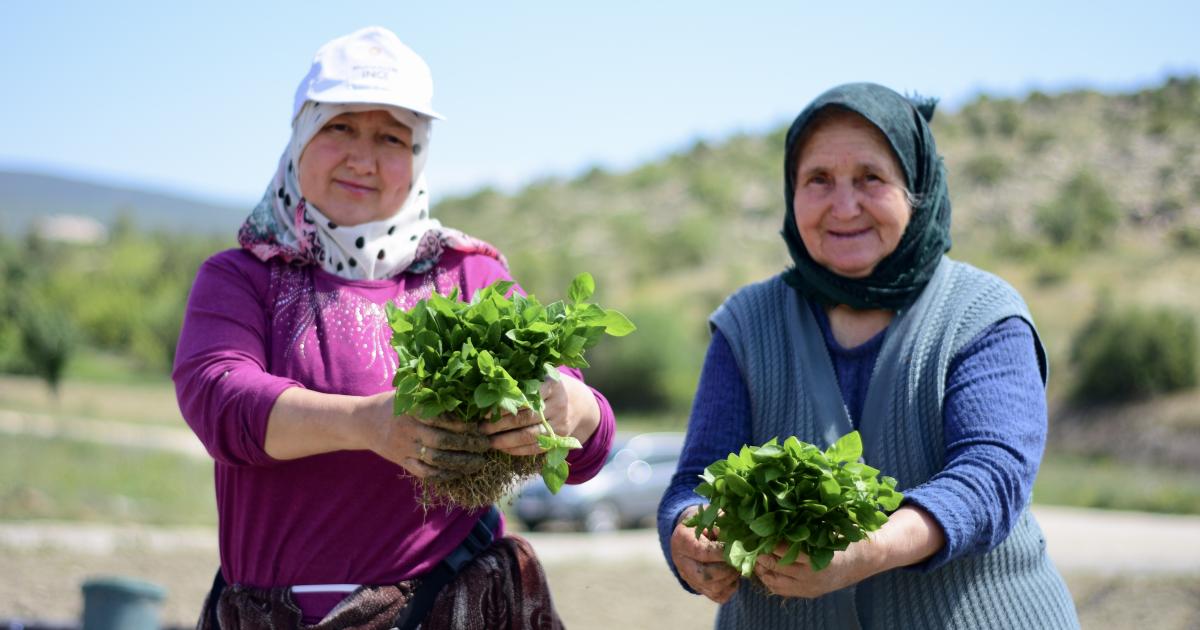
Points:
(26, 196)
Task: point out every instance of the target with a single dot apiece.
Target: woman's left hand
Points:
(910, 535)
(570, 408)
(798, 579)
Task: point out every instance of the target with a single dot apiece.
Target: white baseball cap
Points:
(370, 65)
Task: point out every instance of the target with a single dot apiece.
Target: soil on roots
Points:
(500, 476)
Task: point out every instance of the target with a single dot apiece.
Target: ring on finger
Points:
(422, 453)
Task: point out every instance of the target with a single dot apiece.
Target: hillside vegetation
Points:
(1080, 199)
(1071, 197)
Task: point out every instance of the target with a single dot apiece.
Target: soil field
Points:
(604, 581)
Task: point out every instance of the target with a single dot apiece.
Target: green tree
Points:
(47, 341)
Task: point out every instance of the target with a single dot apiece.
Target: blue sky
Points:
(195, 98)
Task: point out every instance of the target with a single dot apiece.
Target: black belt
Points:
(431, 584)
(478, 540)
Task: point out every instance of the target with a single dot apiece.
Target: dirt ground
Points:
(627, 589)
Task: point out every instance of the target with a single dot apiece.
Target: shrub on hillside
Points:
(1008, 118)
(1134, 353)
(1082, 215)
(1037, 141)
(1186, 238)
(1052, 268)
(987, 169)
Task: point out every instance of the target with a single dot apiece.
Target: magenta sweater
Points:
(254, 329)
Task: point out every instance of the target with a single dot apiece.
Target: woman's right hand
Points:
(433, 449)
(701, 562)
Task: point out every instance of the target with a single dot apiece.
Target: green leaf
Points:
(485, 362)
(548, 442)
(890, 500)
(764, 525)
(501, 287)
(848, 448)
(737, 485)
(768, 453)
(581, 288)
(485, 396)
(511, 404)
(573, 345)
(401, 325)
(616, 324)
(831, 492)
(797, 534)
(555, 476)
(556, 311)
(792, 552)
(820, 558)
(555, 454)
(741, 558)
(541, 327)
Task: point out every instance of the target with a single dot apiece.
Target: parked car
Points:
(625, 493)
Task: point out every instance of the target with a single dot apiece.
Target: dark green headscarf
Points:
(899, 278)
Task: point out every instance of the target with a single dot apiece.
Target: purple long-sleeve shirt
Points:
(254, 329)
(994, 426)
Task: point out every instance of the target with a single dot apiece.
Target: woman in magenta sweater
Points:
(284, 372)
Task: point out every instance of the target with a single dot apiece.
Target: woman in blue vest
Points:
(936, 363)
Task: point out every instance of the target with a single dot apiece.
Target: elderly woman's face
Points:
(358, 167)
(850, 203)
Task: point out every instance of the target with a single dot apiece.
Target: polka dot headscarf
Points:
(285, 224)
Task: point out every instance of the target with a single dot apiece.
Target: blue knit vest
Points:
(781, 353)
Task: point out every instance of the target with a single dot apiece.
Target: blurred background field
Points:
(1087, 200)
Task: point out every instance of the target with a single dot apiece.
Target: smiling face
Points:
(850, 204)
(358, 167)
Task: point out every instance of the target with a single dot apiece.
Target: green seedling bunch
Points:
(817, 502)
(476, 360)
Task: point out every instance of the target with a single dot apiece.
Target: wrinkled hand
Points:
(569, 406)
(432, 449)
(798, 579)
(701, 563)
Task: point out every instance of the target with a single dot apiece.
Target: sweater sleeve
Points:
(719, 424)
(221, 381)
(995, 432)
(478, 272)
